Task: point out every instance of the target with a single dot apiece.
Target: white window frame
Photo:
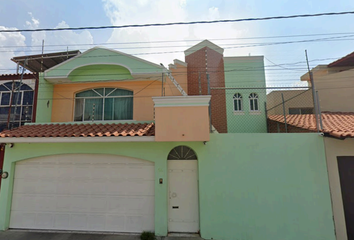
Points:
(239, 101)
(100, 96)
(253, 98)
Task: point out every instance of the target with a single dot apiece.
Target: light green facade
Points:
(251, 186)
(95, 73)
(102, 56)
(44, 100)
(247, 75)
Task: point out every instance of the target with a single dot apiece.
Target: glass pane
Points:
(121, 92)
(79, 109)
(17, 98)
(123, 108)
(239, 105)
(3, 88)
(8, 86)
(306, 110)
(100, 91)
(25, 87)
(236, 105)
(108, 91)
(26, 113)
(256, 104)
(27, 98)
(5, 98)
(93, 109)
(294, 110)
(17, 115)
(251, 105)
(4, 112)
(109, 109)
(88, 93)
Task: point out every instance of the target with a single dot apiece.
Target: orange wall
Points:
(192, 122)
(180, 74)
(64, 94)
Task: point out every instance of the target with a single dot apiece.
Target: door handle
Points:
(175, 207)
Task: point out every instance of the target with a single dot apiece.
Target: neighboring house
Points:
(18, 96)
(117, 148)
(295, 102)
(334, 83)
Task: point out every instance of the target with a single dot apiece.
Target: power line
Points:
(178, 23)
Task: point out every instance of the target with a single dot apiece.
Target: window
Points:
(300, 110)
(182, 153)
(104, 104)
(238, 102)
(253, 102)
(20, 97)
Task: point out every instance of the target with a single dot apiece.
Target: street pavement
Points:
(32, 235)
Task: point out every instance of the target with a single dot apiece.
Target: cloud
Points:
(122, 12)
(9, 44)
(61, 39)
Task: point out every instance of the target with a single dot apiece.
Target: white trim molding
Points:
(182, 101)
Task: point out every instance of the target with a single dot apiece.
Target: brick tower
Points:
(203, 58)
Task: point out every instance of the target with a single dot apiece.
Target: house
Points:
(118, 147)
(334, 84)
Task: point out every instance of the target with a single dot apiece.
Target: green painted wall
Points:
(104, 56)
(99, 73)
(245, 72)
(44, 101)
(251, 186)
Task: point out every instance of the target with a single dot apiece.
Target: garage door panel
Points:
(44, 220)
(62, 221)
(46, 186)
(22, 219)
(84, 192)
(25, 186)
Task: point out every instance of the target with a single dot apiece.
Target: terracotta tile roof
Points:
(81, 130)
(335, 124)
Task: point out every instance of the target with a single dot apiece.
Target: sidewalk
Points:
(31, 235)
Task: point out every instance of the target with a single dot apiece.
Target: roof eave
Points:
(76, 139)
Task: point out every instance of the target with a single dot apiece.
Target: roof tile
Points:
(336, 124)
(81, 130)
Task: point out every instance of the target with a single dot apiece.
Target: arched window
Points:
(238, 102)
(182, 153)
(103, 104)
(254, 102)
(20, 97)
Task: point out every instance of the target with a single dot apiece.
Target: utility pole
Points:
(313, 92)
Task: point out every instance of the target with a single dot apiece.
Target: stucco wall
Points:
(245, 73)
(336, 148)
(251, 186)
(143, 108)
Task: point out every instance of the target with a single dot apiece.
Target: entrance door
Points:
(183, 212)
(346, 173)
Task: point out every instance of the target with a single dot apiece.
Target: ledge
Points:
(182, 101)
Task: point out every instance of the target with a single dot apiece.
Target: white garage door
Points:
(84, 192)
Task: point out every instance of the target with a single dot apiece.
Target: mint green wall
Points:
(251, 186)
(45, 94)
(265, 187)
(100, 73)
(245, 72)
(104, 56)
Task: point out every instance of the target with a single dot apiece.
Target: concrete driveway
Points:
(31, 235)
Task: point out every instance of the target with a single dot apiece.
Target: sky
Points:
(331, 37)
